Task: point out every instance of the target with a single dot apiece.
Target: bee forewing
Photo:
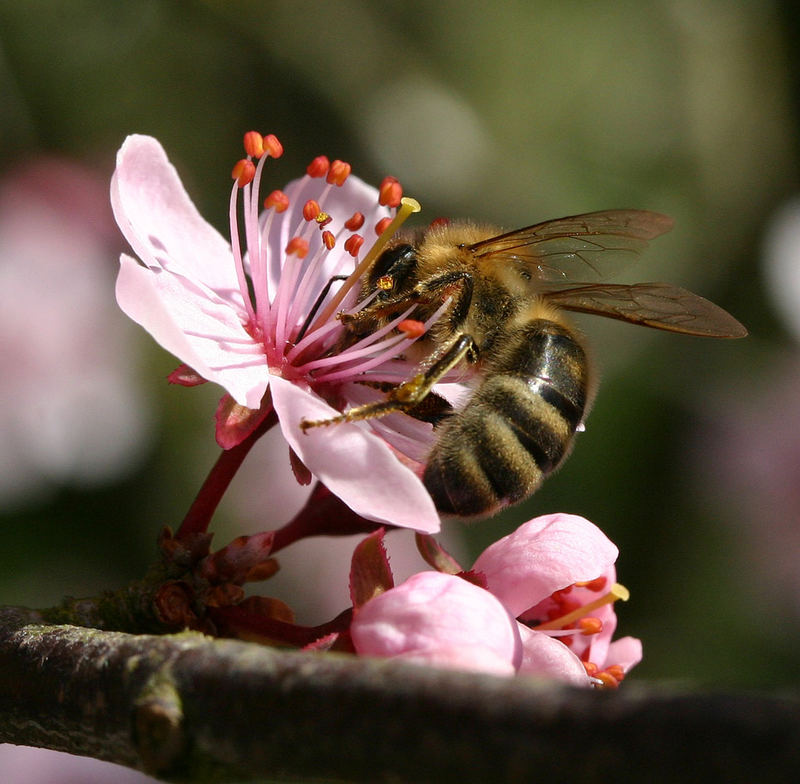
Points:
(657, 305)
(590, 247)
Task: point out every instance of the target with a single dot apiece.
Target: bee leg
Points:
(456, 284)
(410, 393)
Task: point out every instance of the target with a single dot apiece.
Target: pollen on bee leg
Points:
(385, 282)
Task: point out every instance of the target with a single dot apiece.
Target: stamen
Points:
(254, 144)
(310, 210)
(338, 173)
(318, 167)
(594, 585)
(243, 172)
(355, 222)
(617, 592)
(277, 199)
(323, 219)
(353, 244)
(272, 146)
(407, 207)
(328, 240)
(390, 192)
(590, 625)
(382, 225)
(412, 328)
(297, 246)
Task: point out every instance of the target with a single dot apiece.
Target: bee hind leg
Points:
(410, 393)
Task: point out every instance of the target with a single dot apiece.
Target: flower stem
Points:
(205, 503)
(324, 514)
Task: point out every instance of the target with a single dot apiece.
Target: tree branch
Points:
(188, 708)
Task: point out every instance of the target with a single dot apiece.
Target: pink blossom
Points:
(555, 574)
(71, 411)
(440, 620)
(235, 317)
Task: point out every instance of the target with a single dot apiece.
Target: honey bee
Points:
(508, 293)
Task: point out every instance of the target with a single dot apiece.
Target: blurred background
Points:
(528, 111)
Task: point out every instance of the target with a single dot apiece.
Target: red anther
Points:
(353, 244)
(323, 219)
(298, 247)
(590, 625)
(328, 240)
(277, 199)
(310, 210)
(254, 144)
(598, 584)
(338, 173)
(567, 604)
(616, 671)
(318, 167)
(243, 172)
(382, 225)
(355, 222)
(412, 328)
(558, 596)
(437, 223)
(272, 146)
(590, 667)
(390, 192)
(608, 681)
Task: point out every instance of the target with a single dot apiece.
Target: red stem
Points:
(324, 514)
(205, 503)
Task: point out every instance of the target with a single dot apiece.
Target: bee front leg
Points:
(410, 393)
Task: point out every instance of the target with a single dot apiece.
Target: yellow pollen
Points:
(385, 282)
(617, 591)
(407, 207)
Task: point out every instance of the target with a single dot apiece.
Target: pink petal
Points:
(205, 334)
(545, 656)
(544, 555)
(440, 620)
(162, 224)
(626, 652)
(353, 463)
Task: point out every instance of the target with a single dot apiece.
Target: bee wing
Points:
(658, 305)
(590, 247)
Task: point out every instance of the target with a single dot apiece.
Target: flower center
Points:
(299, 270)
(573, 618)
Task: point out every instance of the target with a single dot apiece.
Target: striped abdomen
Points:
(517, 426)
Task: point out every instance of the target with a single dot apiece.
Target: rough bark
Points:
(186, 707)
